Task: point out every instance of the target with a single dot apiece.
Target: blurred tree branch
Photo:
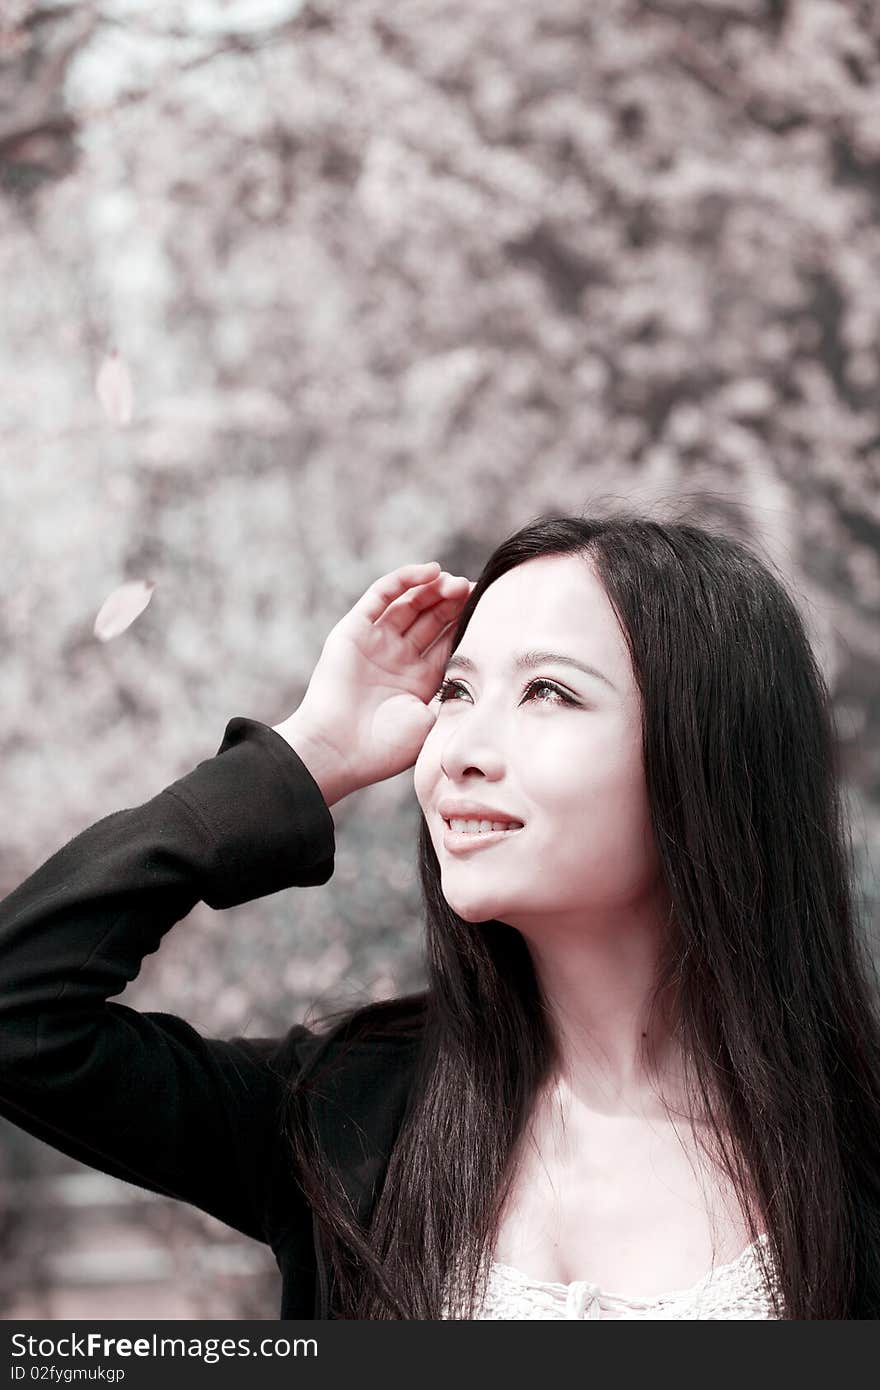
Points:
(35, 117)
(35, 104)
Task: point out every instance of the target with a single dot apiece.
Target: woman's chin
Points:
(474, 909)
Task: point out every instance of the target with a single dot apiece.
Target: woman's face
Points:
(551, 745)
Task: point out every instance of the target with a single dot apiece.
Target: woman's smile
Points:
(462, 841)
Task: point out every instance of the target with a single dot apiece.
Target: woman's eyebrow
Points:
(526, 661)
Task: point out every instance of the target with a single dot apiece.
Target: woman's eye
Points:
(559, 696)
(550, 694)
(446, 689)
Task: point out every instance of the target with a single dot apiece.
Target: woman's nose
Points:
(472, 746)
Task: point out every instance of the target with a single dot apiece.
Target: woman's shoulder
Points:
(393, 1025)
(380, 1037)
(400, 1020)
(349, 1045)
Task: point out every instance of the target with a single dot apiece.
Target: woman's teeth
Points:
(479, 827)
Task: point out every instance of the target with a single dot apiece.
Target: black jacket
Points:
(143, 1096)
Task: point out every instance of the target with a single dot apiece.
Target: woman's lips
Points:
(465, 842)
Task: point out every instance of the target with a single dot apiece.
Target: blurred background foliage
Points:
(388, 282)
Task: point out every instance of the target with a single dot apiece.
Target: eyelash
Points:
(449, 686)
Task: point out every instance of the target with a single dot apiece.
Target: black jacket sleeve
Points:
(143, 1096)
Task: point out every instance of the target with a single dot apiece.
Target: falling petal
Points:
(120, 609)
(114, 389)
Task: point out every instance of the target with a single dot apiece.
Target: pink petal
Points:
(119, 609)
(114, 389)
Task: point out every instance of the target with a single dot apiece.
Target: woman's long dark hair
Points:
(773, 983)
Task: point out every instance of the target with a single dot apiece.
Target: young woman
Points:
(644, 1078)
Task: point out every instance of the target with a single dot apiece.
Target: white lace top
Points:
(731, 1291)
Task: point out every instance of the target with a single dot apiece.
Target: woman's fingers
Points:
(431, 623)
(384, 591)
(430, 609)
(417, 601)
(408, 609)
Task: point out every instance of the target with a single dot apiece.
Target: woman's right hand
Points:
(366, 711)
